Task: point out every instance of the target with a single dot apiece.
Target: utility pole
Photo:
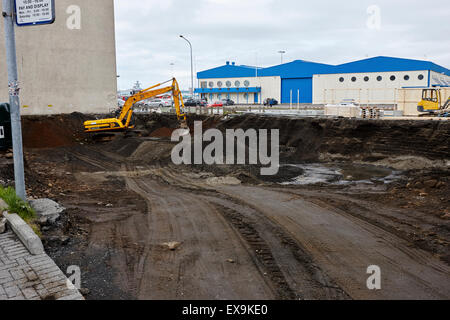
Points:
(192, 67)
(16, 126)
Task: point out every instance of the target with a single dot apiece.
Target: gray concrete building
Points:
(69, 65)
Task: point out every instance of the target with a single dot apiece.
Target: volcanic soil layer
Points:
(349, 194)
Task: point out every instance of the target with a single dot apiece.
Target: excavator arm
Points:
(123, 121)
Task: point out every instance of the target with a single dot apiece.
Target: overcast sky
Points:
(251, 32)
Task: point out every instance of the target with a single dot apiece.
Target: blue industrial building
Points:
(307, 82)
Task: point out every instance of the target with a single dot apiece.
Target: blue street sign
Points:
(34, 12)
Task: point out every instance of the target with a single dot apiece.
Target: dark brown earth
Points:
(126, 203)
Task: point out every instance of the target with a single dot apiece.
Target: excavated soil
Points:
(140, 227)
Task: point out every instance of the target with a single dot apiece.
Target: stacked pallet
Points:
(342, 111)
(370, 113)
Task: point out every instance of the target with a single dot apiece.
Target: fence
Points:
(367, 97)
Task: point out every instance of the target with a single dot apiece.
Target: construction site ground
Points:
(350, 194)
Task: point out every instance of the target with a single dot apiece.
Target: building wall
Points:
(327, 88)
(62, 70)
(270, 88)
(439, 79)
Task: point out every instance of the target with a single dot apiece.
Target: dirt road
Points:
(212, 262)
(242, 241)
(141, 228)
(345, 246)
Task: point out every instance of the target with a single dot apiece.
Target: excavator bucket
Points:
(184, 130)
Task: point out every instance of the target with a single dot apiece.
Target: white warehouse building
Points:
(374, 81)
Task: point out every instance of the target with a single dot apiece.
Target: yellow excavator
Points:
(432, 102)
(122, 122)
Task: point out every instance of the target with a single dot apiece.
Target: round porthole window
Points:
(211, 84)
(392, 78)
(247, 83)
(219, 84)
(228, 84)
(421, 77)
(341, 79)
(237, 84)
(406, 78)
(353, 79)
(366, 79)
(379, 78)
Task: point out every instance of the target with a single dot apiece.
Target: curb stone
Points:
(24, 232)
(2, 225)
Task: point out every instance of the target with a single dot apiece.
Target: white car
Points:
(159, 103)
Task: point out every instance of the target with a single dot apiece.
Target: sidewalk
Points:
(27, 277)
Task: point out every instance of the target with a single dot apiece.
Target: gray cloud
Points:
(252, 31)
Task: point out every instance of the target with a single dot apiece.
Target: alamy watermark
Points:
(374, 281)
(73, 22)
(374, 17)
(236, 147)
(73, 277)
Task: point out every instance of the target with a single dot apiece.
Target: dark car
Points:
(194, 102)
(190, 103)
(270, 102)
(227, 102)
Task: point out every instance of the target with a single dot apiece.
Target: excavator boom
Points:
(122, 122)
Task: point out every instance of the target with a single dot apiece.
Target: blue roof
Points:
(228, 71)
(306, 69)
(297, 69)
(386, 64)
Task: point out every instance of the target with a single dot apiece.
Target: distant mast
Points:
(137, 86)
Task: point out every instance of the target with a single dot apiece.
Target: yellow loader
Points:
(432, 102)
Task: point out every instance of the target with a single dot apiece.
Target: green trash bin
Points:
(5, 127)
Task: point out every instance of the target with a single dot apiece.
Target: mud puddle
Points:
(342, 174)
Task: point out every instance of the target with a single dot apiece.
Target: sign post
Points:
(23, 12)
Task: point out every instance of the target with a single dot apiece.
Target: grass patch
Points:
(20, 207)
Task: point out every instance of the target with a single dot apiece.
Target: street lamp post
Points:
(281, 52)
(192, 67)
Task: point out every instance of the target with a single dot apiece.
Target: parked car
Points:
(216, 104)
(270, 102)
(227, 102)
(155, 103)
(194, 102)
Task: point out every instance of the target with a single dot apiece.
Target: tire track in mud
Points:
(345, 246)
(201, 267)
(409, 225)
(299, 278)
(180, 208)
(287, 266)
(264, 258)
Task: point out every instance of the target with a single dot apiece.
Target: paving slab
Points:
(24, 276)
